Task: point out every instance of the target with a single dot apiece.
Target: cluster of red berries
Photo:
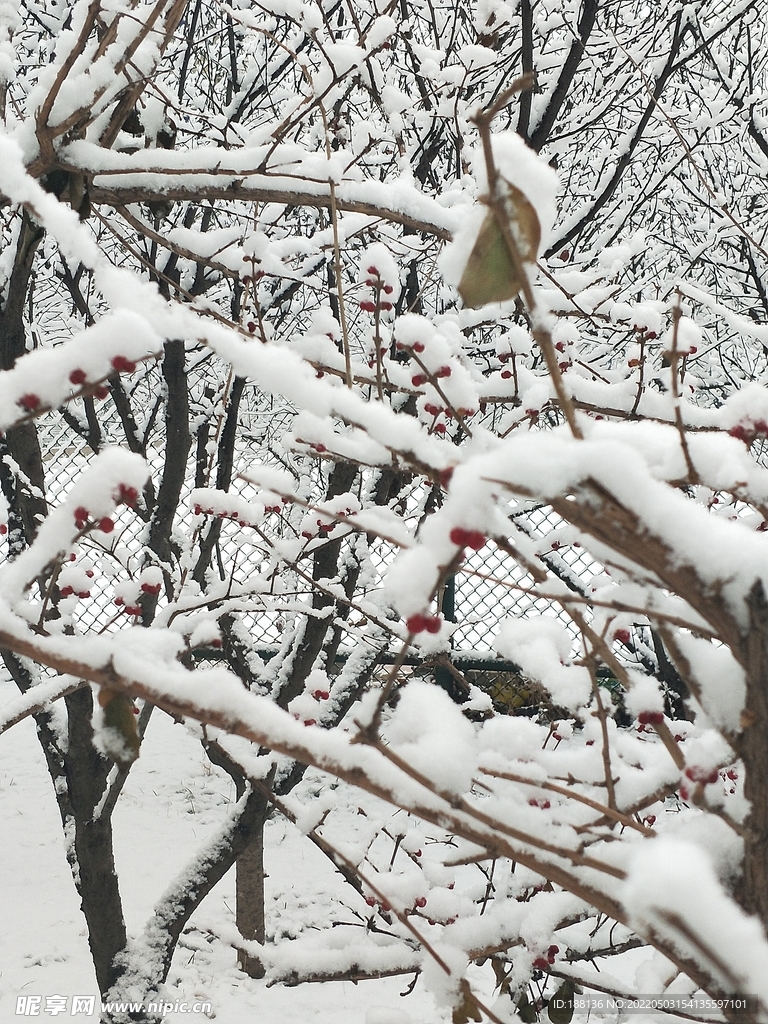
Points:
(199, 510)
(325, 528)
(255, 275)
(373, 902)
(474, 539)
(643, 330)
(536, 802)
(417, 346)
(704, 775)
(321, 694)
(650, 718)
(126, 495)
(129, 609)
(419, 623)
(68, 590)
(82, 517)
(541, 963)
(419, 379)
(29, 402)
(749, 433)
(374, 281)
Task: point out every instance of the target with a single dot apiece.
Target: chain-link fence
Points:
(488, 587)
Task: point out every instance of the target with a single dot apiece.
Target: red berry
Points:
(251, 327)
(78, 376)
(83, 593)
(67, 591)
(506, 374)
(106, 525)
(123, 365)
(388, 289)
(373, 270)
(443, 371)
(420, 902)
(386, 305)
(560, 346)
(622, 635)
(650, 717)
(432, 624)
(698, 774)
(320, 694)
(150, 588)
(565, 255)
(440, 428)
(101, 391)
(3, 529)
(458, 536)
(418, 346)
(541, 963)
(553, 951)
(216, 642)
(310, 721)
(649, 820)
(418, 379)
(29, 402)
(320, 448)
(119, 601)
(367, 306)
(132, 609)
(127, 495)
(371, 901)
(81, 514)
(90, 573)
(416, 623)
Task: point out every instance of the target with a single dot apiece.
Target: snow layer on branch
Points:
(720, 679)
(97, 491)
(541, 646)
(552, 465)
(429, 732)
(671, 879)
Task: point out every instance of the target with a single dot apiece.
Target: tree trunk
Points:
(752, 890)
(249, 886)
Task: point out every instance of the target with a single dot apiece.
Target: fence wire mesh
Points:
(489, 587)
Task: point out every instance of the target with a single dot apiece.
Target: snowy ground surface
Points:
(171, 803)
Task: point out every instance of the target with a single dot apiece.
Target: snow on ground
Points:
(172, 802)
